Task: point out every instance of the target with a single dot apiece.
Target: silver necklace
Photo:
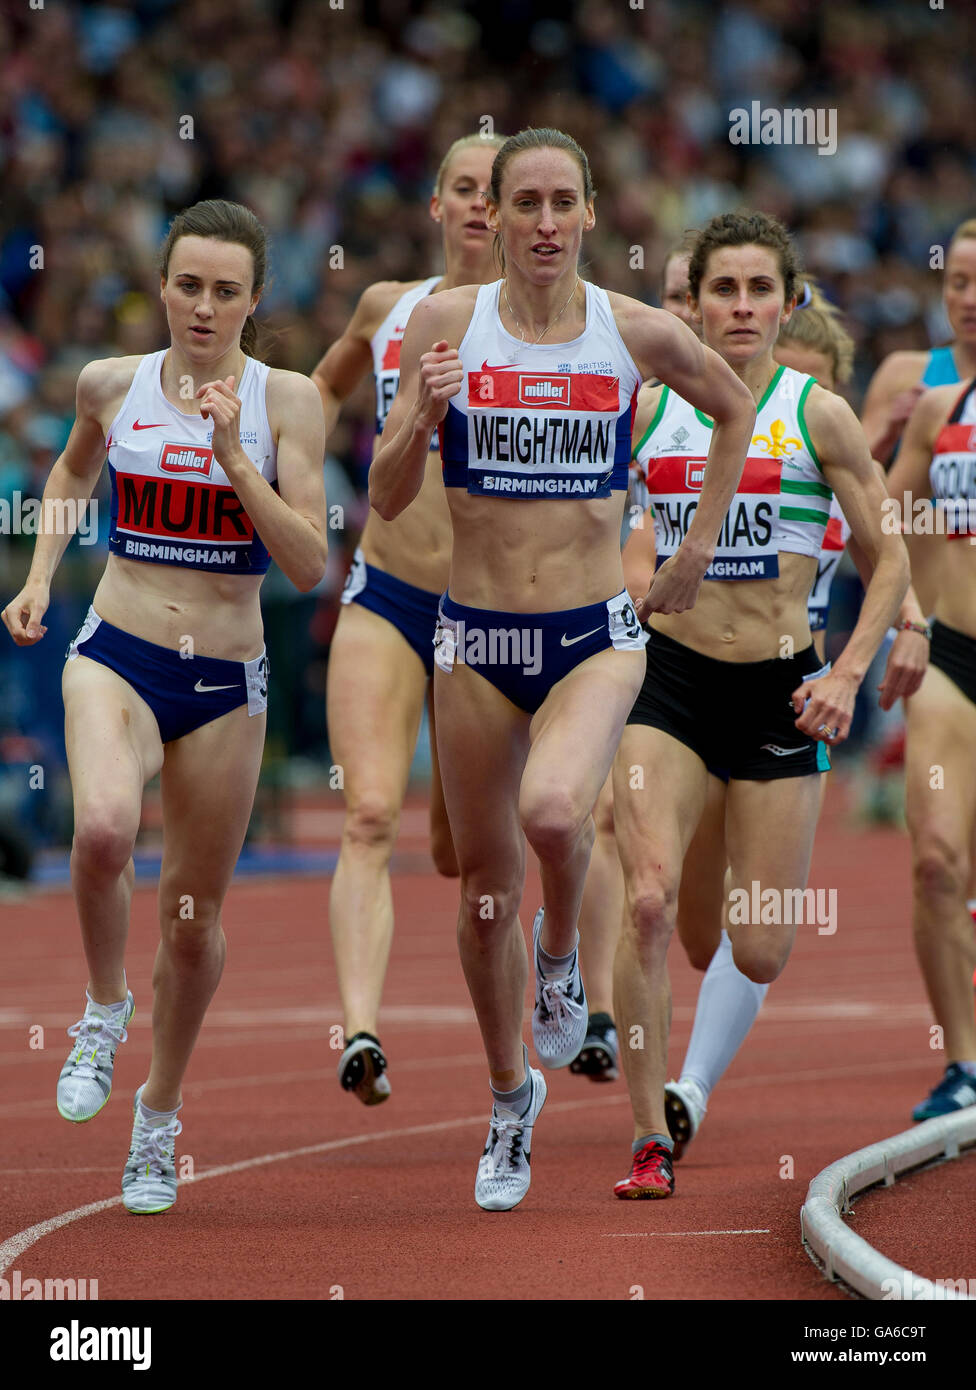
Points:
(548, 325)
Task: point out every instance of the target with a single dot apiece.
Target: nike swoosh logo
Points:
(499, 367)
(203, 689)
(782, 752)
(137, 426)
(571, 641)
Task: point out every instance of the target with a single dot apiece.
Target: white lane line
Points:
(629, 1235)
(23, 1240)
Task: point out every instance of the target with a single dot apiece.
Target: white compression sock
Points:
(727, 1006)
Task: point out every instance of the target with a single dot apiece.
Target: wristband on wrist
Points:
(922, 628)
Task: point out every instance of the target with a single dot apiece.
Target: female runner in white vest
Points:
(382, 654)
(532, 382)
(813, 342)
(216, 465)
(937, 459)
(736, 684)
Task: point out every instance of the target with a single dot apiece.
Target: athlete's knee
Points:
(653, 904)
(103, 839)
(485, 905)
(372, 821)
(555, 825)
(190, 926)
(939, 870)
(761, 962)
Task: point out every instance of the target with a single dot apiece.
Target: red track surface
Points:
(384, 1207)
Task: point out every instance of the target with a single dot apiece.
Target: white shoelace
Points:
(505, 1134)
(89, 1030)
(149, 1146)
(554, 995)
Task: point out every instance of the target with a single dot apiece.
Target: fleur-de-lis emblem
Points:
(774, 443)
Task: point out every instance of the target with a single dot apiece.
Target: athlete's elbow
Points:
(313, 571)
(381, 501)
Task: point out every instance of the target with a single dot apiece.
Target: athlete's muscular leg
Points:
(701, 898)
(208, 784)
(483, 741)
(601, 908)
(375, 696)
(113, 746)
(574, 735)
(659, 790)
(941, 810)
(769, 830)
(441, 841)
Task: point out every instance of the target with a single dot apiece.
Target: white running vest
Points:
(172, 503)
(541, 419)
(782, 502)
(952, 472)
(836, 536)
(385, 344)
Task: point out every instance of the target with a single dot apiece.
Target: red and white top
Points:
(541, 419)
(836, 536)
(952, 472)
(172, 503)
(385, 344)
(781, 503)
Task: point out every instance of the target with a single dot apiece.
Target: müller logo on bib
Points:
(534, 390)
(694, 474)
(186, 458)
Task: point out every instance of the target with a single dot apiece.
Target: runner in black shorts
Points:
(937, 459)
(735, 685)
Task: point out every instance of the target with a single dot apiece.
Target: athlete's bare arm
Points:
(664, 347)
(430, 374)
(839, 444)
(640, 551)
(891, 396)
(292, 523)
(908, 480)
(100, 391)
(350, 357)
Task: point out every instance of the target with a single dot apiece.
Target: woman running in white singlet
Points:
(531, 382)
(216, 468)
(937, 460)
(735, 687)
(382, 654)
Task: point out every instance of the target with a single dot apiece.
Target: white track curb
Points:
(845, 1255)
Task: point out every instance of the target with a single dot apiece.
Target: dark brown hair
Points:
(745, 229)
(223, 221)
(535, 138)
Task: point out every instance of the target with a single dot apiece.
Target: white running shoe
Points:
(560, 1015)
(85, 1083)
(685, 1104)
(149, 1182)
(503, 1170)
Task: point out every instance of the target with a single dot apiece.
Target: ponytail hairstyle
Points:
(817, 324)
(223, 221)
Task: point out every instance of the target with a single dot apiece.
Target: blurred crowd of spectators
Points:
(329, 118)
